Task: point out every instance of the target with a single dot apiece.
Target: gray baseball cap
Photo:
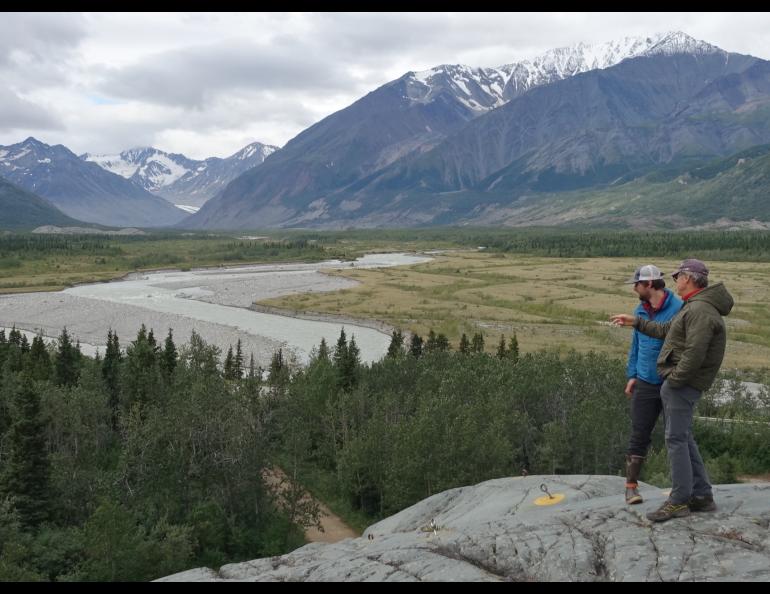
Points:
(648, 272)
(691, 265)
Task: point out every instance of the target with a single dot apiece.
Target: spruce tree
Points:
(238, 361)
(465, 344)
(346, 361)
(14, 361)
(3, 350)
(26, 473)
(14, 337)
(39, 361)
(348, 373)
(323, 351)
(66, 369)
(252, 367)
(341, 350)
(141, 379)
(229, 368)
(501, 350)
(279, 370)
(396, 347)
(477, 343)
(415, 346)
(152, 342)
(513, 349)
(111, 374)
(169, 356)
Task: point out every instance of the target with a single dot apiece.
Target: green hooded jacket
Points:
(695, 339)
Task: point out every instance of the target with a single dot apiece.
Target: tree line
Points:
(743, 245)
(709, 245)
(151, 459)
(423, 420)
(132, 465)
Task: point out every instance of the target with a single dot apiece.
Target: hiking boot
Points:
(702, 504)
(633, 468)
(669, 510)
(632, 494)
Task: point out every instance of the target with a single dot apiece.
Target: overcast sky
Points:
(207, 84)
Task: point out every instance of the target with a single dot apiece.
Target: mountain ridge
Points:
(177, 178)
(82, 190)
(588, 130)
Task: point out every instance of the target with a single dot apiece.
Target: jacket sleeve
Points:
(650, 328)
(699, 332)
(632, 355)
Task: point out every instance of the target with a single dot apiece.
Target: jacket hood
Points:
(717, 296)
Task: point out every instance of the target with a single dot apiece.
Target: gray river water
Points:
(212, 301)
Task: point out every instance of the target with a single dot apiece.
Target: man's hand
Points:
(630, 387)
(622, 320)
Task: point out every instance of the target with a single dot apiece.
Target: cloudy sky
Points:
(207, 84)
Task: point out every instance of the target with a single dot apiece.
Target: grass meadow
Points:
(561, 303)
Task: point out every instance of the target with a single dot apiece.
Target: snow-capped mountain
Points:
(482, 89)
(82, 190)
(147, 167)
(188, 183)
(435, 147)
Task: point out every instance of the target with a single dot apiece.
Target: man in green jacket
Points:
(692, 352)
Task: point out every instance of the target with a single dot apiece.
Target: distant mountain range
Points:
(134, 188)
(458, 145)
(83, 190)
(182, 181)
(582, 135)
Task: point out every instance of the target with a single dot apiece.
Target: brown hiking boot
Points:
(702, 504)
(669, 510)
(632, 494)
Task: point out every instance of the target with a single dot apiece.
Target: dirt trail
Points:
(334, 529)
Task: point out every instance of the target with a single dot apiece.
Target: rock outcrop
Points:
(495, 531)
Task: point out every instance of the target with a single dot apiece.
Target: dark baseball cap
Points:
(691, 265)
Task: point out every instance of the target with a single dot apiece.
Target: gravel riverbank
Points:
(218, 303)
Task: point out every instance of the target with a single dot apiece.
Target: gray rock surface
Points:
(494, 531)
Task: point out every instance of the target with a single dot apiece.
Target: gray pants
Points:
(688, 473)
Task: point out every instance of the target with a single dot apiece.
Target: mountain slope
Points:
(83, 190)
(723, 193)
(20, 209)
(409, 115)
(597, 126)
(594, 129)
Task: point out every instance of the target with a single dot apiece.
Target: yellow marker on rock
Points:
(548, 499)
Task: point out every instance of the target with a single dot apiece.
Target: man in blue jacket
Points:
(643, 388)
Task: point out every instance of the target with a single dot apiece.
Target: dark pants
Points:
(646, 405)
(688, 473)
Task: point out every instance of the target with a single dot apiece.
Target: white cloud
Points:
(207, 84)
(196, 75)
(18, 115)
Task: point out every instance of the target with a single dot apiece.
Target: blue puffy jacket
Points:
(643, 356)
